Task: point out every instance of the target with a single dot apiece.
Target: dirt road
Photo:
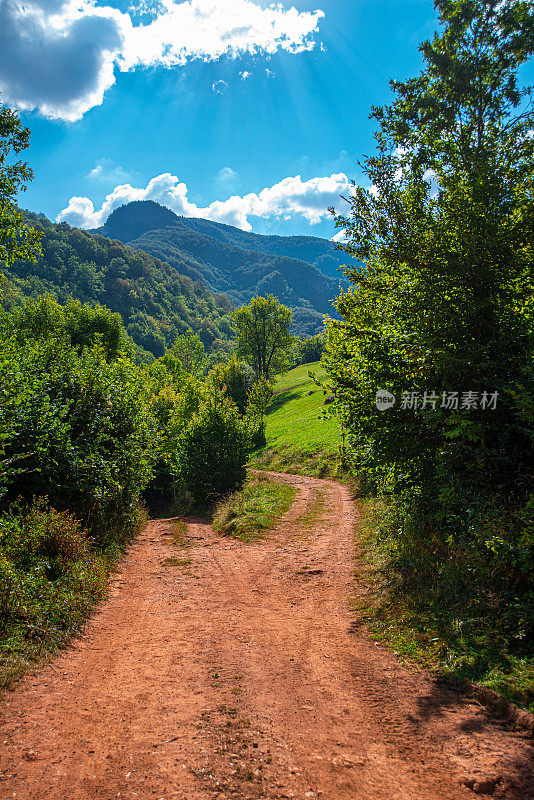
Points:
(242, 675)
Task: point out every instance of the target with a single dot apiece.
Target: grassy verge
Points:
(300, 439)
(459, 638)
(254, 510)
(51, 578)
(296, 461)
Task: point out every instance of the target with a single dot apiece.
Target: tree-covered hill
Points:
(136, 218)
(322, 253)
(235, 262)
(155, 301)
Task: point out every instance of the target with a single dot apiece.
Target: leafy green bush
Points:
(213, 449)
(237, 378)
(49, 570)
(74, 426)
(309, 350)
(81, 325)
(50, 578)
(175, 399)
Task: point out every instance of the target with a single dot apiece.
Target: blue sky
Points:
(246, 112)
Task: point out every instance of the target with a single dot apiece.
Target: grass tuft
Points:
(179, 533)
(176, 562)
(254, 510)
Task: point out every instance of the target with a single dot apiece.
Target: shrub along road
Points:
(232, 670)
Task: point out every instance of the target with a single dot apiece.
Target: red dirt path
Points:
(242, 675)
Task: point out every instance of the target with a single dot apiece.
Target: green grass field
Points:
(294, 418)
(299, 438)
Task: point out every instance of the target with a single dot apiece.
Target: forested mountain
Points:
(298, 270)
(155, 301)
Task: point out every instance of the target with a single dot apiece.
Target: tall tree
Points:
(263, 339)
(444, 302)
(16, 239)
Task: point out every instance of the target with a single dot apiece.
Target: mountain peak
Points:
(133, 219)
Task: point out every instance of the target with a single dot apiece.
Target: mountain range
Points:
(164, 273)
(302, 271)
(155, 301)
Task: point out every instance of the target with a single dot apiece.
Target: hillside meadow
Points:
(301, 436)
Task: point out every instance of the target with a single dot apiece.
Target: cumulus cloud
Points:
(55, 60)
(340, 237)
(245, 75)
(60, 56)
(291, 196)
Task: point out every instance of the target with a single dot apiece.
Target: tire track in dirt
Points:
(240, 676)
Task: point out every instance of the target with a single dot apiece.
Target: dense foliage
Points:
(213, 448)
(17, 240)
(87, 434)
(309, 350)
(155, 302)
(442, 316)
(49, 570)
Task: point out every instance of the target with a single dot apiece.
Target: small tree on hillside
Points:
(263, 339)
(190, 352)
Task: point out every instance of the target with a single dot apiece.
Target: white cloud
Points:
(107, 172)
(244, 75)
(227, 179)
(291, 196)
(226, 174)
(55, 58)
(60, 56)
(219, 86)
(340, 237)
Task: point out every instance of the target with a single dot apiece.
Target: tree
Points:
(189, 351)
(237, 379)
(263, 338)
(444, 300)
(258, 402)
(16, 239)
(309, 350)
